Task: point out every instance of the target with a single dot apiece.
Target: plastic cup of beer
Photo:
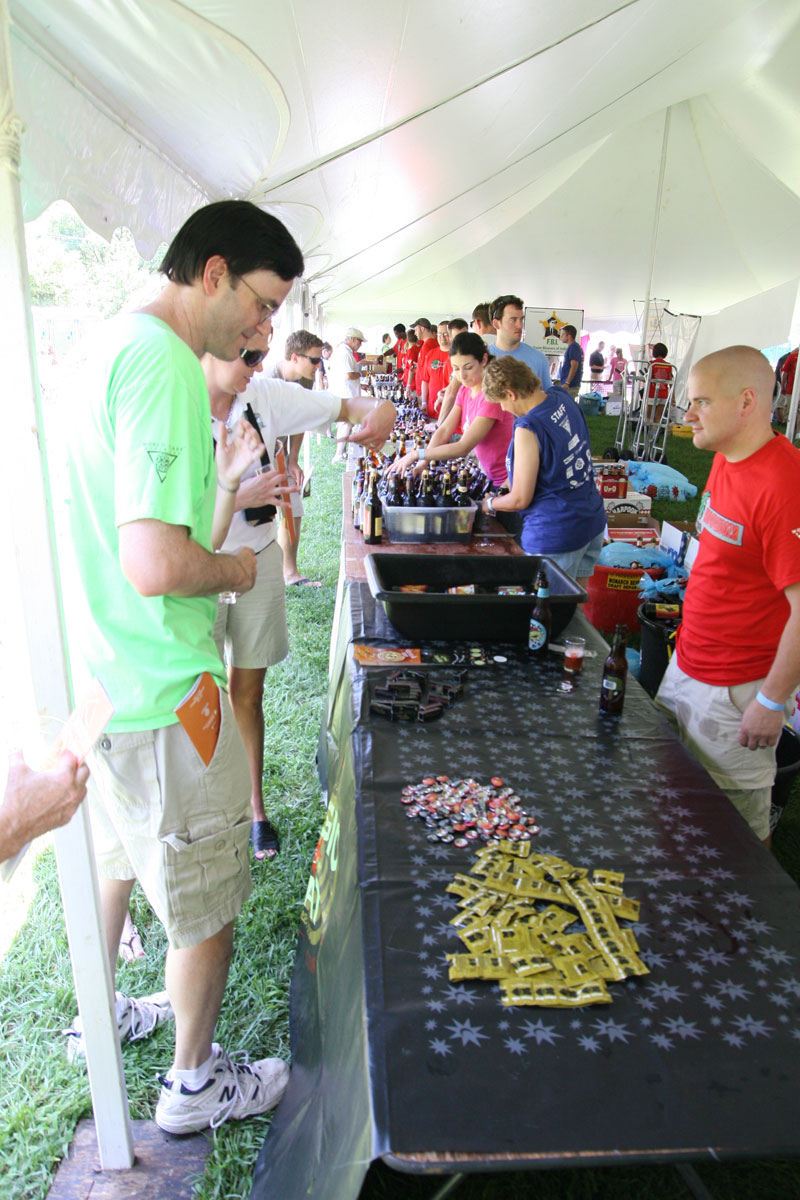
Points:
(574, 649)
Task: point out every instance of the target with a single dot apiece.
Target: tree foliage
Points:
(72, 267)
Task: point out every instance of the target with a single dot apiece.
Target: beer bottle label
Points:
(537, 635)
(378, 525)
(612, 683)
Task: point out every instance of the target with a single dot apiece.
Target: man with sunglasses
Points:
(301, 357)
(252, 634)
(167, 808)
(508, 319)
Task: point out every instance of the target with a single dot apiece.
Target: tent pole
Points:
(791, 420)
(32, 583)
(656, 221)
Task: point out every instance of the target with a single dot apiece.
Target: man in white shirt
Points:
(251, 634)
(344, 380)
(302, 356)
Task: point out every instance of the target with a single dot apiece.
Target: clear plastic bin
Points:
(428, 524)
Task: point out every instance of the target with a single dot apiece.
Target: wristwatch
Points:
(490, 505)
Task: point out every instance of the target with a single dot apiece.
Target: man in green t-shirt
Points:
(169, 806)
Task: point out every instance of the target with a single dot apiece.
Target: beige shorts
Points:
(252, 633)
(708, 720)
(161, 816)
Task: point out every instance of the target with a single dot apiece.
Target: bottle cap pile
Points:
(463, 810)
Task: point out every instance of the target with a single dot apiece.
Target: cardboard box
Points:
(609, 487)
(634, 502)
(613, 406)
(632, 521)
(599, 463)
(679, 542)
(631, 533)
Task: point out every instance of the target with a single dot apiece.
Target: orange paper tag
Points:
(199, 714)
(286, 505)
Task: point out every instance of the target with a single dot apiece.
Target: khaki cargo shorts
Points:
(182, 829)
(708, 720)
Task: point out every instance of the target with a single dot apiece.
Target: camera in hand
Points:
(264, 513)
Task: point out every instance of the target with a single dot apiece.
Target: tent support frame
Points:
(33, 586)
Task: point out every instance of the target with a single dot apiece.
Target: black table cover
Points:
(700, 1058)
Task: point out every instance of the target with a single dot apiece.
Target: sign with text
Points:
(543, 327)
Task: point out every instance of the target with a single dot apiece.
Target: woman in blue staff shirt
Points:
(550, 469)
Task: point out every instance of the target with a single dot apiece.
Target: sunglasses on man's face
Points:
(251, 358)
(316, 359)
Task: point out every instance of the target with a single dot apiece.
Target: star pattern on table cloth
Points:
(697, 922)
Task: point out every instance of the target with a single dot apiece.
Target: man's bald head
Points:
(737, 368)
(730, 402)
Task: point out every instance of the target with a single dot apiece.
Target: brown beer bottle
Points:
(462, 499)
(425, 496)
(409, 499)
(541, 621)
(615, 675)
(372, 522)
(445, 497)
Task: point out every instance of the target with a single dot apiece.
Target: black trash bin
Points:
(787, 754)
(657, 644)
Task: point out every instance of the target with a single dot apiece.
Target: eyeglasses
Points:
(316, 359)
(251, 358)
(267, 307)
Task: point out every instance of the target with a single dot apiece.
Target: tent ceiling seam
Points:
(473, 187)
(244, 52)
(422, 249)
(92, 95)
(325, 160)
(720, 206)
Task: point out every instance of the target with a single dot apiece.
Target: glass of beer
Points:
(574, 649)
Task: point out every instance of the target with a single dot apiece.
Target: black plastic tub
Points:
(434, 615)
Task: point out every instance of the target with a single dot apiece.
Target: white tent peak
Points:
(432, 158)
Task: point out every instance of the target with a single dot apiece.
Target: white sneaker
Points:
(135, 1019)
(232, 1091)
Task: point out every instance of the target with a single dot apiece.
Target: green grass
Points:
(42, 1099)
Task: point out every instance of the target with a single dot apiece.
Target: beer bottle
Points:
(425, 499)
(445, 497)
(462, 499)
(409, 499)
(358, 492)
(393, 493)
(539, 632)
(615, 674)
(372, 526)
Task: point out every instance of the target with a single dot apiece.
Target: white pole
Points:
(28, 512)
(791, 420)
(656, 221)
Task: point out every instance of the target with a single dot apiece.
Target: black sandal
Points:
(263, 839)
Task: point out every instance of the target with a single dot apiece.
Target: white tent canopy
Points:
(427, 159)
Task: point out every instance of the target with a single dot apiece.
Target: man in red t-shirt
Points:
(737, 663)
(660, 369)
(410, 358)
(437, 371)
(428, 345)
(786, 384)
(399, 347)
